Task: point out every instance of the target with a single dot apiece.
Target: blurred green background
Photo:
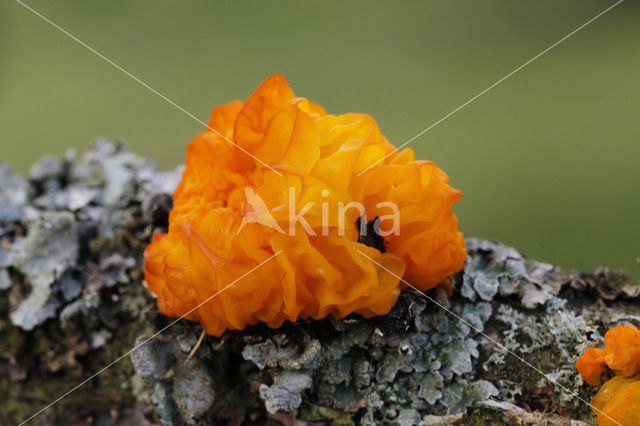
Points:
(548, 160)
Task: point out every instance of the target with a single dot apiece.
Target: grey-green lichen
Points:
(42, 257)
(422, 364)
(71, 241)
(72, 301)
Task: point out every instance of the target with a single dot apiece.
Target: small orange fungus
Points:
(618, 400)
(232, 212)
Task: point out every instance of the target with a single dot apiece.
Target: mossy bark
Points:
(420, 364)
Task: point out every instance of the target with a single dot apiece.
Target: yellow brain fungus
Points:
(232, 212)
(618, 400)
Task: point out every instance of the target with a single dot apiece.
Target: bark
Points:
(72, 302)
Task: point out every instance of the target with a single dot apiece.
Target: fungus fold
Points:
(231, 212)
(618, 400)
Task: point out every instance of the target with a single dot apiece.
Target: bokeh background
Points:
(548, 160)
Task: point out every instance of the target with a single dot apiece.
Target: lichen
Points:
(43, 256)
(182, 391)
(14, 195)
(70, 295)
(286, 392)
(423, 365)
(416, 365)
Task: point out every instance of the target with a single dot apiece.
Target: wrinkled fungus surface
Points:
(234, 211)
(618, 400)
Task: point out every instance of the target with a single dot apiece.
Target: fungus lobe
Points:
(232, 212)
(618, 400)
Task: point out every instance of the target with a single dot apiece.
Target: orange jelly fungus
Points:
(618, 400)
(231, 213)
